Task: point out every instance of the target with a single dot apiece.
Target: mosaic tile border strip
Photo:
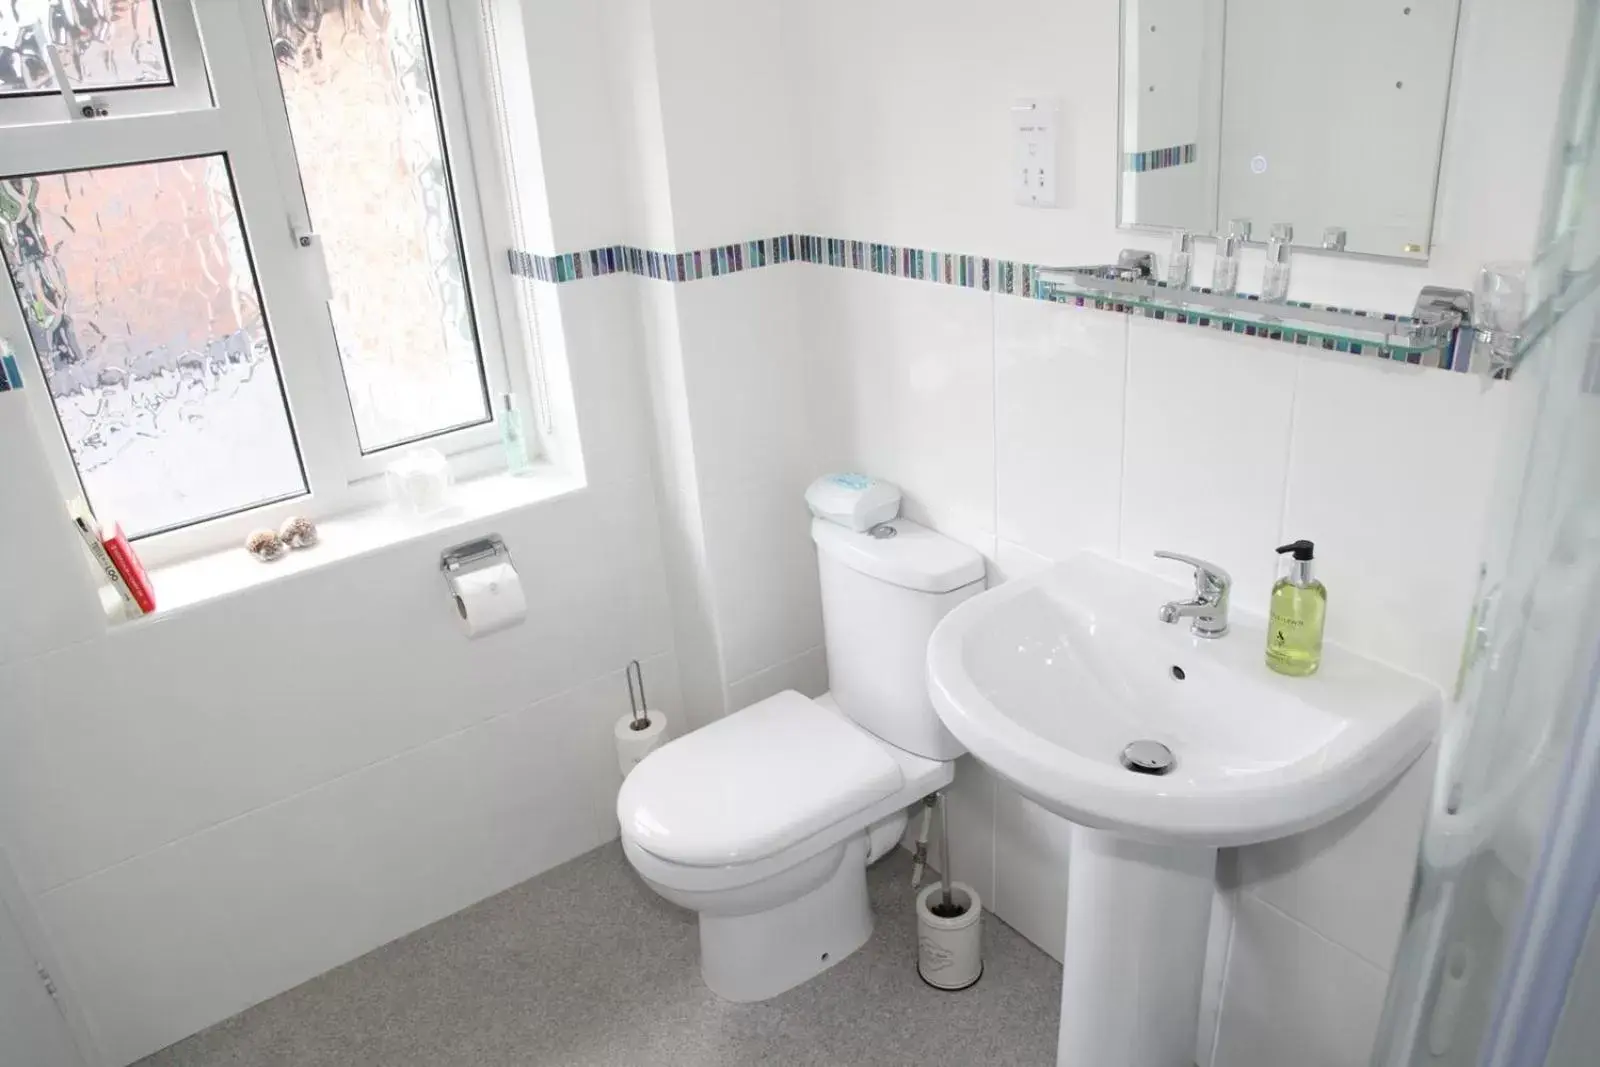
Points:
(970, 272)
(663, 266)
(1273, 333)
(10, 376)
(1159, 158)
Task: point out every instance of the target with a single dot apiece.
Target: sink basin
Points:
(1047, 680)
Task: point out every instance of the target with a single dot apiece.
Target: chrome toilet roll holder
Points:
(460, 560)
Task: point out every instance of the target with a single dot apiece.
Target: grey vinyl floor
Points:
(584, 965)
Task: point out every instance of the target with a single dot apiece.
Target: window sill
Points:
(180, 586)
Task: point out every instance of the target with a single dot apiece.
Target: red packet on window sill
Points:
(83, 521)
(127, 562)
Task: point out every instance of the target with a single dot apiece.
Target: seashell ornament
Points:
(298, 532)
(265, 546)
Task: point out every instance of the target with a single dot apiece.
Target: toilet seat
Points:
(751, 785)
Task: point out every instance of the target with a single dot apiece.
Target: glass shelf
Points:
(1335, 329)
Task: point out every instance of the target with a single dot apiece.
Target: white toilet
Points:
(764, 822)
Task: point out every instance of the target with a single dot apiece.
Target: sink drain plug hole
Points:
(1148, 757)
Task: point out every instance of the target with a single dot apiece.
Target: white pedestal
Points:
(1137, 919)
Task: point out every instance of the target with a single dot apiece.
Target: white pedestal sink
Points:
(1048, 680)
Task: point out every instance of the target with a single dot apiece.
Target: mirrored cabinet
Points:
(1325, 118)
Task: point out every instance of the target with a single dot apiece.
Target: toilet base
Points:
(753, 957)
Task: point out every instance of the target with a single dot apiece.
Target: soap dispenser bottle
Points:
(1275, 283)
(513, 439)
(1298, 610)
(1182, 261)
(1225, 268)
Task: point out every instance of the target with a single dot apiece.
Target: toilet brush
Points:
(946, 908)
(949, 930)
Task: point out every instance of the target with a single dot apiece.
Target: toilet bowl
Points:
(764, 822)
(778, 875)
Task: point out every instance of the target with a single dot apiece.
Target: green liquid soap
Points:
(1295, 617)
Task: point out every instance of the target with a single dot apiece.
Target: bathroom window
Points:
(363, 105)
(105, 44)
(142, 303)
(123, 57)
(257, 290)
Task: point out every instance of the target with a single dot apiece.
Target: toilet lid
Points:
(754, 783)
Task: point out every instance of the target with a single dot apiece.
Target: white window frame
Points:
(245, 120)
(186, 68)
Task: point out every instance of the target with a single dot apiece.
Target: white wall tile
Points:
(155, 944)
(568, 202)
(1059, 377)
(902, 387)
(1390, 474)
(924, 161)
(1349, 880)
(972, 809)
(596, 327)
(806, 673)
(694, 625)
(1031, 854)
(47, 598)
(1294, 997)
(1206, 452)
(744, 377)
(763, 570)
(176, 723)
(730, 149)
(1014, 561)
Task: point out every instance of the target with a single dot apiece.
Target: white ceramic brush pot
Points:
(949, 948)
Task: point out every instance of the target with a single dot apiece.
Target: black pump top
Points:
(1301, 549)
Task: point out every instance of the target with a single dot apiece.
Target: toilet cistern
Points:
(1209, 608)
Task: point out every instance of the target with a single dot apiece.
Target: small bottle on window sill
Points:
(512, 437)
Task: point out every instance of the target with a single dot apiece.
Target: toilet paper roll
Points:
(634, 745)
(489, 599)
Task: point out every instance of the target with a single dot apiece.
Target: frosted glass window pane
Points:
(104, 44)
(359, 89)
(141, 300)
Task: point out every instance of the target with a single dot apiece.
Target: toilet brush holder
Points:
(949, 940)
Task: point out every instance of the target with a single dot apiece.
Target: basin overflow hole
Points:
(1178, 673)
